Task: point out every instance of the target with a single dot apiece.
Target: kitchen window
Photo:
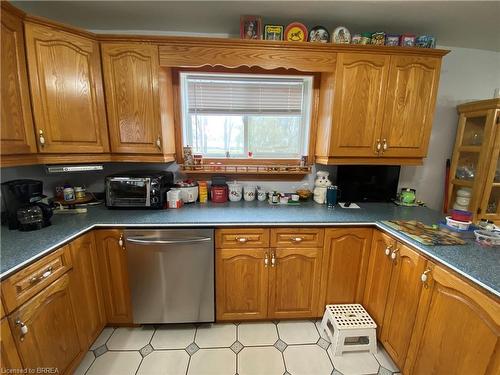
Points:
(246, 115)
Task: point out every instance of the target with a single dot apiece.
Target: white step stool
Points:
(343, 323)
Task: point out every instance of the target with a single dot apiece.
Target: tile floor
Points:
(263, 348)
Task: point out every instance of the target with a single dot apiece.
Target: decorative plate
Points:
(319, 34)
(296, 32)
(341, 35)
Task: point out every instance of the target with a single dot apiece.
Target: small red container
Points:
(219, 193)
(459, 215)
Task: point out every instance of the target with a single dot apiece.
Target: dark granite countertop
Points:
(480, 265)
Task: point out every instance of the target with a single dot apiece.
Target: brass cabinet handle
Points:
(394, 254)
(378, 147)
(385, 146)
(158, 143)
(44, 275)
(242, 239)
(120, 241)
(424, 278)
(296, 239)
(23, 329)
(266, 260)
(41, 138)
(388, 250)
(273, 259)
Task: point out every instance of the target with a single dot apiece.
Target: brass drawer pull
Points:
(44, 275)
(296, 239)
(23, 329)
(242, 239)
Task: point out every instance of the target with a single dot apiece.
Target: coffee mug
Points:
(332, 195)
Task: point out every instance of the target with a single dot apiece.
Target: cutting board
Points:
(425, 234)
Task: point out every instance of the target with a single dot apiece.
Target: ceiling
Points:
(470, 24)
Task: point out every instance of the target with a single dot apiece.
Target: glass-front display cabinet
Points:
(474, 183)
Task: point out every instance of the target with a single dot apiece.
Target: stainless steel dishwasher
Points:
(171, 275)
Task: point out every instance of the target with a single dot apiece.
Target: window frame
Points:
(308, 120)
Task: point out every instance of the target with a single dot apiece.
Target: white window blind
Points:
(244, 95)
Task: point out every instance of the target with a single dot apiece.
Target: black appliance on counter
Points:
(138, 189)
(368, 183)
(22, 205)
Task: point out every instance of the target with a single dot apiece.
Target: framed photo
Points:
(319, 34)
(250, 27)
(273, 32)
(296, 32)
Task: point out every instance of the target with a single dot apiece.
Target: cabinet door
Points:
(66, 91)
(86, 293)
(360, 86)
(409, 106)
(402, 302)
(132, 97)
(294, 282)
(241, 284)
(456, 330)
(17, 133)
(378, 277)
(51, 339)
(114, 276)
(346, 261)
(9, 358)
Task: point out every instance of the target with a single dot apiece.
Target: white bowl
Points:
(462, 225)
(487, 238)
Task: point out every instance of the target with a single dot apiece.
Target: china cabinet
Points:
(475, 168)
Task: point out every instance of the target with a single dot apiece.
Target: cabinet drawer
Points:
(242, 237)
(24, 284)
(297, 237)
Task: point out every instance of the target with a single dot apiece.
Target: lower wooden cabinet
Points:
(50, 337)
(294, 282)
(86, 294)
(114, 275)
(9, 358)
(346, 255)
(402, 302)
(379, 277)
(456, 331)
(241, 284)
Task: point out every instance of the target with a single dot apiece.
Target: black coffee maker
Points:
(22, 205)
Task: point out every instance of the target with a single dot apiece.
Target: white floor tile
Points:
(173, 336)
(385, 360)
(298, 332)
(355, 363)
(102, 338)
(125, 338)
(307, 360)
(216, 335)
(260, 361)
(116, 363)
(255, 334)
(85, 363)
(213, 362)
(164, 362)
(321, 331)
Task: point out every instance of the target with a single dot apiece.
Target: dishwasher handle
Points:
(156, 241)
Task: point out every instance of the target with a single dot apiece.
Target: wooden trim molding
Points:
(479, 105)
(369, 161)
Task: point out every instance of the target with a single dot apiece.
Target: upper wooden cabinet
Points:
(66, 91)
(131, 82)
(409, 106)
(358, 104)
(16, 133)
(377, 108)
(456, 331)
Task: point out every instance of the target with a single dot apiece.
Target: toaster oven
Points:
(138, 189)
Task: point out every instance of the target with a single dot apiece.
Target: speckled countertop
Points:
(480, 265)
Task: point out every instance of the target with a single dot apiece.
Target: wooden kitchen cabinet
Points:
(409, 106)
(358, 103)
(346, 255)
(51, 339)
(131, 82)
(294, 282)
(378, 277)
(241, 284)
(86, 293)
(17, 134)
(456, 330)
(111, 253)
(402, 302)
(9, 357)
(66, 91)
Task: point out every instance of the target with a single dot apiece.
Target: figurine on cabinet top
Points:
(341, 35)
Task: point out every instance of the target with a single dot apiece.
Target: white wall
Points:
(466, 75)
